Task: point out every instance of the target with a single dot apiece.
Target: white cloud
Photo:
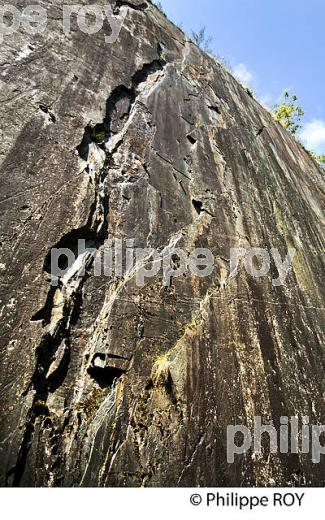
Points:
(313, 135)
(243, 74)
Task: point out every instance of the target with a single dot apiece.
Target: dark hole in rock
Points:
(47, 111)
(104, 377)
(191, 139)
(176, 261)
(198, 205)
(214, 108)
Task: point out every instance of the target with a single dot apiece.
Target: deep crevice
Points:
(44, 314)
(198, 205)
(19, 469)
(116, 356)
(118, 108)
(104, 377)
(94, 232)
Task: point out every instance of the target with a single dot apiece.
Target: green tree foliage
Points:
(289, 113)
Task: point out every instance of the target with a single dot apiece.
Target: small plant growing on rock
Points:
(98, 133)
(202, 40)
(90, 405)
(320, 159)
(225, 61)
(160, 374)
(288, 113)
(193, 324)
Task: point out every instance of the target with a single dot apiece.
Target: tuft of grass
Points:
(198, 124)
(160, 374)
(193, 324)
(90, 405)
(222, 60)
(320, 159)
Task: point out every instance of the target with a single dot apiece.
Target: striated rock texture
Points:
(104, 383)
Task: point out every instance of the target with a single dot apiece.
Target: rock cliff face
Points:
(104, 382)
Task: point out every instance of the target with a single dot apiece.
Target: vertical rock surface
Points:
(103, 382)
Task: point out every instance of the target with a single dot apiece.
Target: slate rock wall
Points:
(104, 383)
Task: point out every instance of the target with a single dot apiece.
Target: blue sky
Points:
(272, 45)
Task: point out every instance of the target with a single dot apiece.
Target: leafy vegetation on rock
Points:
(289, 113)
